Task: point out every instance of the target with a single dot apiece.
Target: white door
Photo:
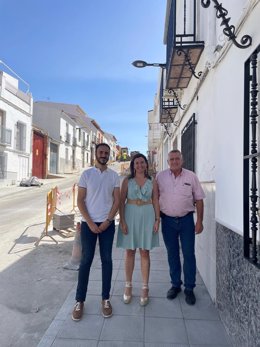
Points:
(23, 168)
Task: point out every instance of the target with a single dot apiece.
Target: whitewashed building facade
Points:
(16, 107)
(61, 130)
(111, 141)
(209, 108)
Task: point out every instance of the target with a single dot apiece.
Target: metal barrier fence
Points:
(53, 198)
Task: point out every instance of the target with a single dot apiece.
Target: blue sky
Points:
(80, 52)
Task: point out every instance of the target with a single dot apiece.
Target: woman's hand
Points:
(156, 225)
(124, 228)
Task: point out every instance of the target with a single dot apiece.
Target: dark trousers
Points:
(173, 229)
(88, 241)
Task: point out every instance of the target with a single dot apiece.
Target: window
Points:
(188, 144)
(5, 134)
(251, 159)
(83, 139)
(67, 137)
(20, 136)
(3, 165)
(66, 155)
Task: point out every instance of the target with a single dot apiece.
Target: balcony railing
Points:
(183, 51)
(168, 106)
(5, 136)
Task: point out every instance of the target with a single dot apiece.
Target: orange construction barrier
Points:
(51, 205)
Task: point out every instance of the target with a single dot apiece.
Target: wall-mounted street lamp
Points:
(141, 63)
(168, 105)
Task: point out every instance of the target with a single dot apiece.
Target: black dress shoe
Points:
(189, 297)
(173, 292)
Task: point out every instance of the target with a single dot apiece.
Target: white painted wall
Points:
(54, 122)
(218, 103)
(17, 107)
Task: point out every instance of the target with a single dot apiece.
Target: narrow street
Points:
(27, 205)
(33, 283)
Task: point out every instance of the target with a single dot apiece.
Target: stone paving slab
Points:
(162, 323)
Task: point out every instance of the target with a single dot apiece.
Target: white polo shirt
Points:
(99, 192)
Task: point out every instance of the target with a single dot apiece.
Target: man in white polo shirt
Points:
(180, 193)
(98, 200)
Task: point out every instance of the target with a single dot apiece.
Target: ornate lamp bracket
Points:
(229, 30)
(166, 129)
(172, 91)
(188, 61)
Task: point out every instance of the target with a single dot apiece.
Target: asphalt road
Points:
(25, 205)
(33, 283)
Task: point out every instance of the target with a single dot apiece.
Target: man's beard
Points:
(102, 161)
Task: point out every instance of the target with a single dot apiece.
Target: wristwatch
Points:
(109, 220)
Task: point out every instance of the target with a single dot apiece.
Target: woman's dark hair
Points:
(132, 170)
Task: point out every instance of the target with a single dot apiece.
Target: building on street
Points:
(207, 105)
(16, 107)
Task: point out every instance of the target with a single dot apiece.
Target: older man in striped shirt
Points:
(180, 193)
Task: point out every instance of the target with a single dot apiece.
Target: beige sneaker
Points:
(107, 310)
(78, 311)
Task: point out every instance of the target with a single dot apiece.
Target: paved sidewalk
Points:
(161, 323)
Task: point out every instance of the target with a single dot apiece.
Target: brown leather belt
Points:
(138, 202)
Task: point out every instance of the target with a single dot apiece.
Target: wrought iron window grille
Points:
(251, 159)
(188, 143)
(229, 30)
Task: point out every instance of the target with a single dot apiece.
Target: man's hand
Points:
(94, 228)
(103, 226)
(198, 227)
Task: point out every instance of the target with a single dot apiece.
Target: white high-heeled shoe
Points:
(127, 298)
(144, 300)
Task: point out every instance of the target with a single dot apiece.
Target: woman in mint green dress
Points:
(139, 223)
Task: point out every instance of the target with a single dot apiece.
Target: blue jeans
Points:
(88, 241)
(174, 228)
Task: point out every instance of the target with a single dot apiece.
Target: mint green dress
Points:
(139, 219)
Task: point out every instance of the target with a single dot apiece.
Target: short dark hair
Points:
(175, 151)
(132, 170)
(102, 144)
